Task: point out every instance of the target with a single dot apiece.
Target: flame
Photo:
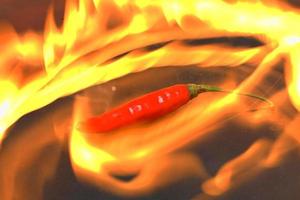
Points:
(103, 40)
(238, 167)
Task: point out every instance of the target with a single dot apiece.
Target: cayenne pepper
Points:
(150, 106)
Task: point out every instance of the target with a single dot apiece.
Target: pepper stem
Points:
(197, 89)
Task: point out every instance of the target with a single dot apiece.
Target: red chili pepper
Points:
(149, 106)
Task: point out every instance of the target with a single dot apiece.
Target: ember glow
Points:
(101, 40)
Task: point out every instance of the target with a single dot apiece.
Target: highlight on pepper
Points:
(151, 106)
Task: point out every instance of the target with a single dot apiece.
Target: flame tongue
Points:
(103, 40)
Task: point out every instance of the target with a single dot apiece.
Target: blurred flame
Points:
(238, 167)
(293, 74)
(84, 52)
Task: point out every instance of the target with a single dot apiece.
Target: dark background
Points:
(276, 183)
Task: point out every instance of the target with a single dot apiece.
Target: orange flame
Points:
(103, 40)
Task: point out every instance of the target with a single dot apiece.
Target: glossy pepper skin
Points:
(149, 106)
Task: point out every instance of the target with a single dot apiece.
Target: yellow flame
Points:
(86, 155)
(293, 74)
(86, 51)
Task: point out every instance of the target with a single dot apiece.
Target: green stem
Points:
(197, 89)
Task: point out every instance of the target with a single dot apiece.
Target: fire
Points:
(103, 40)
